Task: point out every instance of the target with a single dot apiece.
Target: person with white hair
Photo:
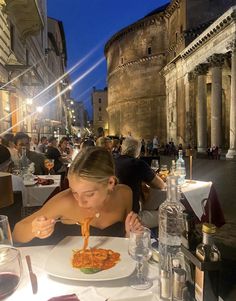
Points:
(132, 171)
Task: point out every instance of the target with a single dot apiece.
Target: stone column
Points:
(189, 98)
(216, 61)
(201, 71)
(231, 154)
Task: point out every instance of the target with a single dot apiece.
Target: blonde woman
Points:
(93, 192)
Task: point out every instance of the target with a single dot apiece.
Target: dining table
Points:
(36, 194)
(50, 286)
(198, 197)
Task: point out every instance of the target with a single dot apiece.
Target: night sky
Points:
(88, 25)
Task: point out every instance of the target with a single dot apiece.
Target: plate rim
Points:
(108, 278)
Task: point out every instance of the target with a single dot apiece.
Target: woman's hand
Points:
(132, 222)
(42, 227)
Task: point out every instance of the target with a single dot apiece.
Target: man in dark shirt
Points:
(132, 171)
(23, 140)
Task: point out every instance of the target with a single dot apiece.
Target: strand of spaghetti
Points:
(85, 231)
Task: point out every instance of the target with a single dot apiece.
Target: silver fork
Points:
(97, 215)
(67, 219)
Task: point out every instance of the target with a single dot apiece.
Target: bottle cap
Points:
(208, 228)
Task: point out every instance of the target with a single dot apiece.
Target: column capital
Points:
(190, 76)
(201, 69)
(231, 46)
(216, 60)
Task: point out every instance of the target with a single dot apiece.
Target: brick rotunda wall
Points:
(136, 89)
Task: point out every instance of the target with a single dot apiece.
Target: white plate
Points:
(59, 264)
(149, 297)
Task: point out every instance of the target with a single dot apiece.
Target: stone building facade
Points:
(170, 74)
(100, 115)
(25, 70)
(136, 89)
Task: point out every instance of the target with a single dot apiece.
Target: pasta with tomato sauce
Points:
(93, 260)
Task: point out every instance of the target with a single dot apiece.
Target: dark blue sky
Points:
(89, 23)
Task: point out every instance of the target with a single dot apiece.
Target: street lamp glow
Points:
(29, 101)
(71, 102)
(39, 109)
(70, 87)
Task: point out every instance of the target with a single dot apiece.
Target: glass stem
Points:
(139, 267)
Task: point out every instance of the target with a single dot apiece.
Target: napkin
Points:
(71, 297)
(87, 294)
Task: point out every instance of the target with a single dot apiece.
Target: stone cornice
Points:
(222, 22)
(147, 21)
(171, 8)
(135, 62)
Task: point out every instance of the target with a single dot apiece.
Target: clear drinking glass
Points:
(10, 270)
(140, 250)
(5, 231)
(155, 165)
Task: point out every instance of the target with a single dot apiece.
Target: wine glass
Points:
(140, 250)
(5, 231)
(163, 173)
(155, 165)
(49, 164)
(10, 270)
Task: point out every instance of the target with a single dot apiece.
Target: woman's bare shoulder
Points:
(123, 188)
(63, 199)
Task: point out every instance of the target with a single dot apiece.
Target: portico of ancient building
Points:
(201, 89)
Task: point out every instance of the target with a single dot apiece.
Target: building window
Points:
(12, 36)
(99, 100)
(99, 109)
(172, 117)
(149, 50)
(100, 118)
(181, 28)
(122, 60)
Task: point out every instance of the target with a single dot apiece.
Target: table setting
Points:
(39, 189)
(46, 272)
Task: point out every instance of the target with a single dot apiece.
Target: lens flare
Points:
(58, 80)
(59, 94)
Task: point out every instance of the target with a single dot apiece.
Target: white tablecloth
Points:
(36, 195)
(195, 192)
(49, 287)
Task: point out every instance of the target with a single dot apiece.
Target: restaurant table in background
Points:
(198, 197)
(49, 286)
(36, 195)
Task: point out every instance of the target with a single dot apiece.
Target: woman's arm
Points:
(41, 223)
(132, 219)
